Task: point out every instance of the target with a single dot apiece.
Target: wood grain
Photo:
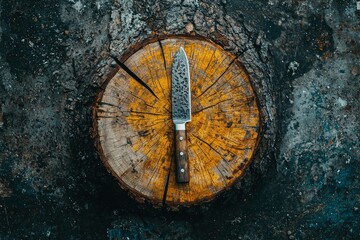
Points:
(181, 157)
(135, 133)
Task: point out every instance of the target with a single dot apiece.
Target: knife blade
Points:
(181, 112)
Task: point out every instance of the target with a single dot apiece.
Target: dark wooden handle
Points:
(181, 158)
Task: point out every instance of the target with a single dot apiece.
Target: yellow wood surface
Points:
(136, 133)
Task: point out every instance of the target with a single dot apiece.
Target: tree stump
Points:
(135, 133)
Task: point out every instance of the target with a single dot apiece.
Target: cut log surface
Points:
(135, 132)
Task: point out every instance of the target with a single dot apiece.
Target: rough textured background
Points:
(304, 58)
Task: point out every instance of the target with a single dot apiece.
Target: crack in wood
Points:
(197, 137)
(205, 153)
(232, 61)
(167, 183)
(220, 91)
(162, 52)
(150, 67)
(210, 61)
(204, 108)
(109, 104)
(152, 125)
(131, 93)
(146, 113)
(202, 166)
(134, 76)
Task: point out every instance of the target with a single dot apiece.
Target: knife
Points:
(181, 112)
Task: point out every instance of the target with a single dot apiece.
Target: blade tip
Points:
(181, 51)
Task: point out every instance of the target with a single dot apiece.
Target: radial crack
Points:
(133, 75)
(162, 51)
(208, 145)
(211, 106)
(232, 61)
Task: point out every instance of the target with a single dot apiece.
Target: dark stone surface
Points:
(303, 57)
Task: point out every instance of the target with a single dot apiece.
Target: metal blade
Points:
(180, 88)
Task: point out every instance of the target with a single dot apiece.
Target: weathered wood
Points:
(135, 133)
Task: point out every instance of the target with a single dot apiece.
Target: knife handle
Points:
(181, 158)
